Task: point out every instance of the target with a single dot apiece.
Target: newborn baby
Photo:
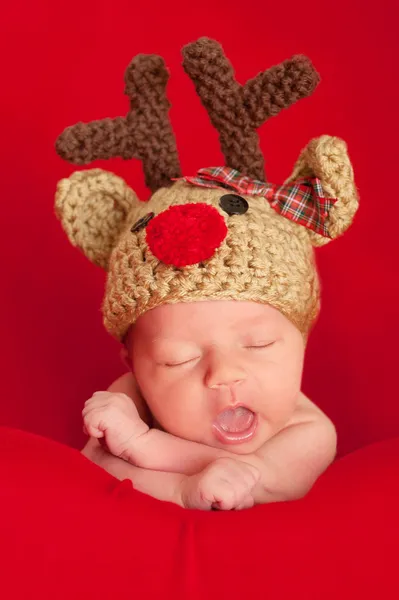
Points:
(212, 286)
(217, 418)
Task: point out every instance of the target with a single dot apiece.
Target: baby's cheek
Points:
(281, 380)
(288, 374)
(182, 421)
(279, 397)
(177, 407)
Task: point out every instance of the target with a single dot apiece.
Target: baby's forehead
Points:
(205, 320)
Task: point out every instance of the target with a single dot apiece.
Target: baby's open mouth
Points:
(235, 425)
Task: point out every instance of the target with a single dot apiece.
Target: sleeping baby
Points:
(212, 289)
(228, 426)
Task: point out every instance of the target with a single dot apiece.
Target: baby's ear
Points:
(125, 358)
(327, 159)
(93, 207)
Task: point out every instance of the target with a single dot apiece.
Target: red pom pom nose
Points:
(186, 234)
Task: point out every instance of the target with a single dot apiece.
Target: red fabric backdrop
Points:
(65, 62)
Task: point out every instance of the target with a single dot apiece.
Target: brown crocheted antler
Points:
(145, 133)
(236, 111)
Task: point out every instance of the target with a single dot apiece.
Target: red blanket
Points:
(69, 530)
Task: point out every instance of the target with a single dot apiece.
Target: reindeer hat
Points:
(223, 234)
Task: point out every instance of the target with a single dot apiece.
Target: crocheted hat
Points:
(224, 233)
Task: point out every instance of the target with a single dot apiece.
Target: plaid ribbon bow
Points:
(302, 201)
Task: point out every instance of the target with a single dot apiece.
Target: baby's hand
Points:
(115, 418)
(225, 484)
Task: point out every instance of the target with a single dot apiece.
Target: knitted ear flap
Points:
(327, 159)
(93, 207)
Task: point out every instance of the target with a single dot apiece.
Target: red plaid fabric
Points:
(302, 201)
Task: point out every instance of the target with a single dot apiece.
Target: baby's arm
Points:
(289, 463)
(166, 451)
(114, 418)
(225, 484)
(295, 457)
(159, 485)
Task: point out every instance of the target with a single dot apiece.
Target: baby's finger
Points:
(255, 472)
(247, 502)
(93, 431)
(94, 422)
(99, 401)
(94, 407)
(251, 474)
(225, 498)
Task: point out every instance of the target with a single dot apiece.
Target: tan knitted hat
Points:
(224, 233)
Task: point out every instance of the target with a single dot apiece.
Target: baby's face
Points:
(222, 373)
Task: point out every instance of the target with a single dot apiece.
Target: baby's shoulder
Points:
(125, 384)
(305, 411)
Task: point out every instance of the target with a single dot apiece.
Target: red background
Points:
(62, 63)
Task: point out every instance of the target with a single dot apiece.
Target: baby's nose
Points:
(186, 234)
(227, 384)
(225, 376)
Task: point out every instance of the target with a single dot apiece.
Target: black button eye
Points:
(143, 222)
(233, 204)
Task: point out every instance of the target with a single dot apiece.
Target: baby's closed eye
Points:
(259, 345)
(179, 362)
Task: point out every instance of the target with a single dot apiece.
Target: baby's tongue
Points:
(235, 420)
